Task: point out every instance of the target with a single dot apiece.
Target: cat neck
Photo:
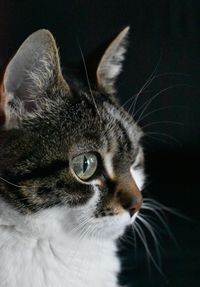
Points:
(65, 259)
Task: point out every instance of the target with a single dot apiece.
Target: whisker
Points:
(165, 135)
(163, 122)
(158, 215)
(87, 78)
(149, 101)
(127, 239)
(158, 139)
(156, 205)
(173, 211)
(146, 84)
(143, 239)
(161, 109)
(150, 229)
(13, 184)
(151, 220)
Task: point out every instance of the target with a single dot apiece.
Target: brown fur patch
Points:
(126, 196)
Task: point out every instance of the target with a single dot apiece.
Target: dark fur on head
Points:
(49, 121)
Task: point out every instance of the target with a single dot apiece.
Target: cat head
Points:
(69, 147)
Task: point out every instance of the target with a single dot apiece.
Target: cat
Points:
(71, 170)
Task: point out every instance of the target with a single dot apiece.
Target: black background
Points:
(164, 38)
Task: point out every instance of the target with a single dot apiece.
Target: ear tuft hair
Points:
(110, 64)
(34, 68)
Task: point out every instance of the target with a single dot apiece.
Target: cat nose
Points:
(132, 205)
(129, 196)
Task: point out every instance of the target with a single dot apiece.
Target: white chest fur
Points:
(36, 257)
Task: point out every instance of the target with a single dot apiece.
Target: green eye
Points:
(84, 165)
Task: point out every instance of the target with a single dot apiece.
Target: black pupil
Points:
(85, 164)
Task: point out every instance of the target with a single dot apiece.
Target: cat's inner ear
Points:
(33, 70)
(110, 64)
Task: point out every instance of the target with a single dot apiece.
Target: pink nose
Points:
(132, 204)
(129, 196)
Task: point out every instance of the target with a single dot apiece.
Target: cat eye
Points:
(84, 165)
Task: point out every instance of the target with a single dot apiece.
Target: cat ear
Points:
(33, 71)
(110, 64)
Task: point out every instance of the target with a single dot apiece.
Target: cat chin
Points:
(78, 224)
(70, 222)
(111, 227)
(81, 222)
(103, 228)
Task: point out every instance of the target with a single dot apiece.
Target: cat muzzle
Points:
(129, 196)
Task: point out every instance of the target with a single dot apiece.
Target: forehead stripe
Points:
(126, 138)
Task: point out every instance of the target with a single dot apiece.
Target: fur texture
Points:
(57, 229)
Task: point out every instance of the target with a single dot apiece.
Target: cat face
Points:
(69, 147)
